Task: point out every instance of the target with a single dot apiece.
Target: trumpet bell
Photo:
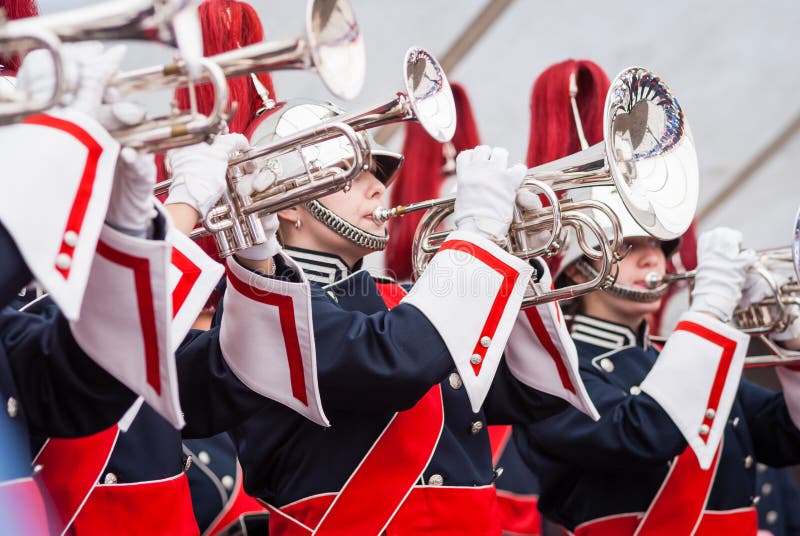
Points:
(651, 153)
(336, 46)
(429, 94)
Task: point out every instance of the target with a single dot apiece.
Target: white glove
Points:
(485, 191)
(87, 69)
(722, 267)
(130, 207)
(198, 171)
(527, 200)
(756, 289)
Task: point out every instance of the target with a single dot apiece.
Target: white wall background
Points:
(732, 63)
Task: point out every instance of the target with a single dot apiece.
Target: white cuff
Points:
(70, 189)
(126, 319)
(267, 338)
(696, 377)
(471, 292)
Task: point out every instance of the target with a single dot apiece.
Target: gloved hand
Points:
(485, 191)
(198, 171)
(756, 289)
(527, 200)
(722, 267)
(87, 68)
(130, 207)
(248, 185)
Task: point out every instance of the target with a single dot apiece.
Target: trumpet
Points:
(647, 155)
(333, 46)
(235, 221)
(171, 22)
(771, 314)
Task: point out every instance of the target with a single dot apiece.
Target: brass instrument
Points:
(647, 155)
(171, 22)
(333, 46)
(771, 314)
(234, 222)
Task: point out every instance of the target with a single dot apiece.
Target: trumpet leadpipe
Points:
(382, 214)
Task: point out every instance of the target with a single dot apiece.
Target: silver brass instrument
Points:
(333, 46)
(647, 155)
(234, 222)
(171, 22)
(771, 314)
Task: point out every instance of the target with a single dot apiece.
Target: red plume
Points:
(421, 177)
(553, 133)
(16, 9)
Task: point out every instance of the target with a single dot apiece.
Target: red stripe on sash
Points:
(740, 522)
(498, 438)
(535, 320)
(190, 273)
(519, 514)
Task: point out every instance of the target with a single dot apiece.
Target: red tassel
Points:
(421, 177)
(16, 9)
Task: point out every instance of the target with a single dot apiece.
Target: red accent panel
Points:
(285, 305)
(429, 510)
(238, 505)
(519, 514)
(679, 504)
(392, 293)
(535, 320)
(71, 468)
(144, 300)
(84, 193)
(145, 508)
(728, 349)
(503, 295)
(499, 434)
(743, 522)
(190, 273)
(388, 471)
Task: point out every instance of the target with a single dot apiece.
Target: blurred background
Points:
(732, 64)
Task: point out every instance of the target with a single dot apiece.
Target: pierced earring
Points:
(298, 224)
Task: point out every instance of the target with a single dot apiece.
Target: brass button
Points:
(71, 238)
(766, 489)
(755, 500)
(476, 427)
(476, 359)
(455, 380)
(636, 390)
(748, 462)
(204, 457)
(710, 413)
(607, 365)
(704, 429)
(110, 478)
(486, 341)
(436, 480)
(761, 468)
(63, 261)
(735, 422)
(772, 517)
(12, 407)
(228, 482)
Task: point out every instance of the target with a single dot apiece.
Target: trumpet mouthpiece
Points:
(653, 279)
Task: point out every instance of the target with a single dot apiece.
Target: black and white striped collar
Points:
(322, 268)
(607, 334)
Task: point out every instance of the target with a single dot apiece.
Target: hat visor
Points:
(385, 164)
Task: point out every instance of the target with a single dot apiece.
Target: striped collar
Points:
(319, 267)
(607, 334)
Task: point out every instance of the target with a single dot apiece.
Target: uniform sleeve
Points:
(633, 429)
(512, 402)
(61, 390)
(775, 437)
(15, 272)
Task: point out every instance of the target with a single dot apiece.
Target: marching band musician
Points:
(386, 376)
(675, 450)
(50, 386)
